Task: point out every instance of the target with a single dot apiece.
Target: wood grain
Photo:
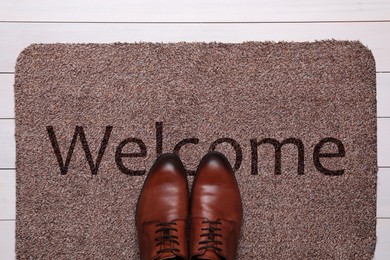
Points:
(7, 141)
(7, 96)
(382, 251)
(383, 94)
(194, 11)
(7, 194)
(7, 239)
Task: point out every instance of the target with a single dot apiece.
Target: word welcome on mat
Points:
(297, 120)
(254, 143)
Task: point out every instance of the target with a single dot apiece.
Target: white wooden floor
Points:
(43, 21)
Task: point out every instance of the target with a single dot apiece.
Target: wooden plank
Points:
(7, 194)
(7, 240)
(383, 94)
(382, 251)
(20, 35)
(383, 129)
(383, 194)
(190, 11)
(7, 95)
(7, 139)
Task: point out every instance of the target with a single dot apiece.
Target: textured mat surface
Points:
(297, 120)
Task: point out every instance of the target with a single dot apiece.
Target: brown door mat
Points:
(296, 120)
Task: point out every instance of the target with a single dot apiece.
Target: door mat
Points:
(296, 120)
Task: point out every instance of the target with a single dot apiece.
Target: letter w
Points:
(79, 131)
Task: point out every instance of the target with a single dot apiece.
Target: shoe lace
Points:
(211, 241)
(166, 228)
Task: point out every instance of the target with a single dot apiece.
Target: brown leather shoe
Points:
(162, 211)
(216, 210)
